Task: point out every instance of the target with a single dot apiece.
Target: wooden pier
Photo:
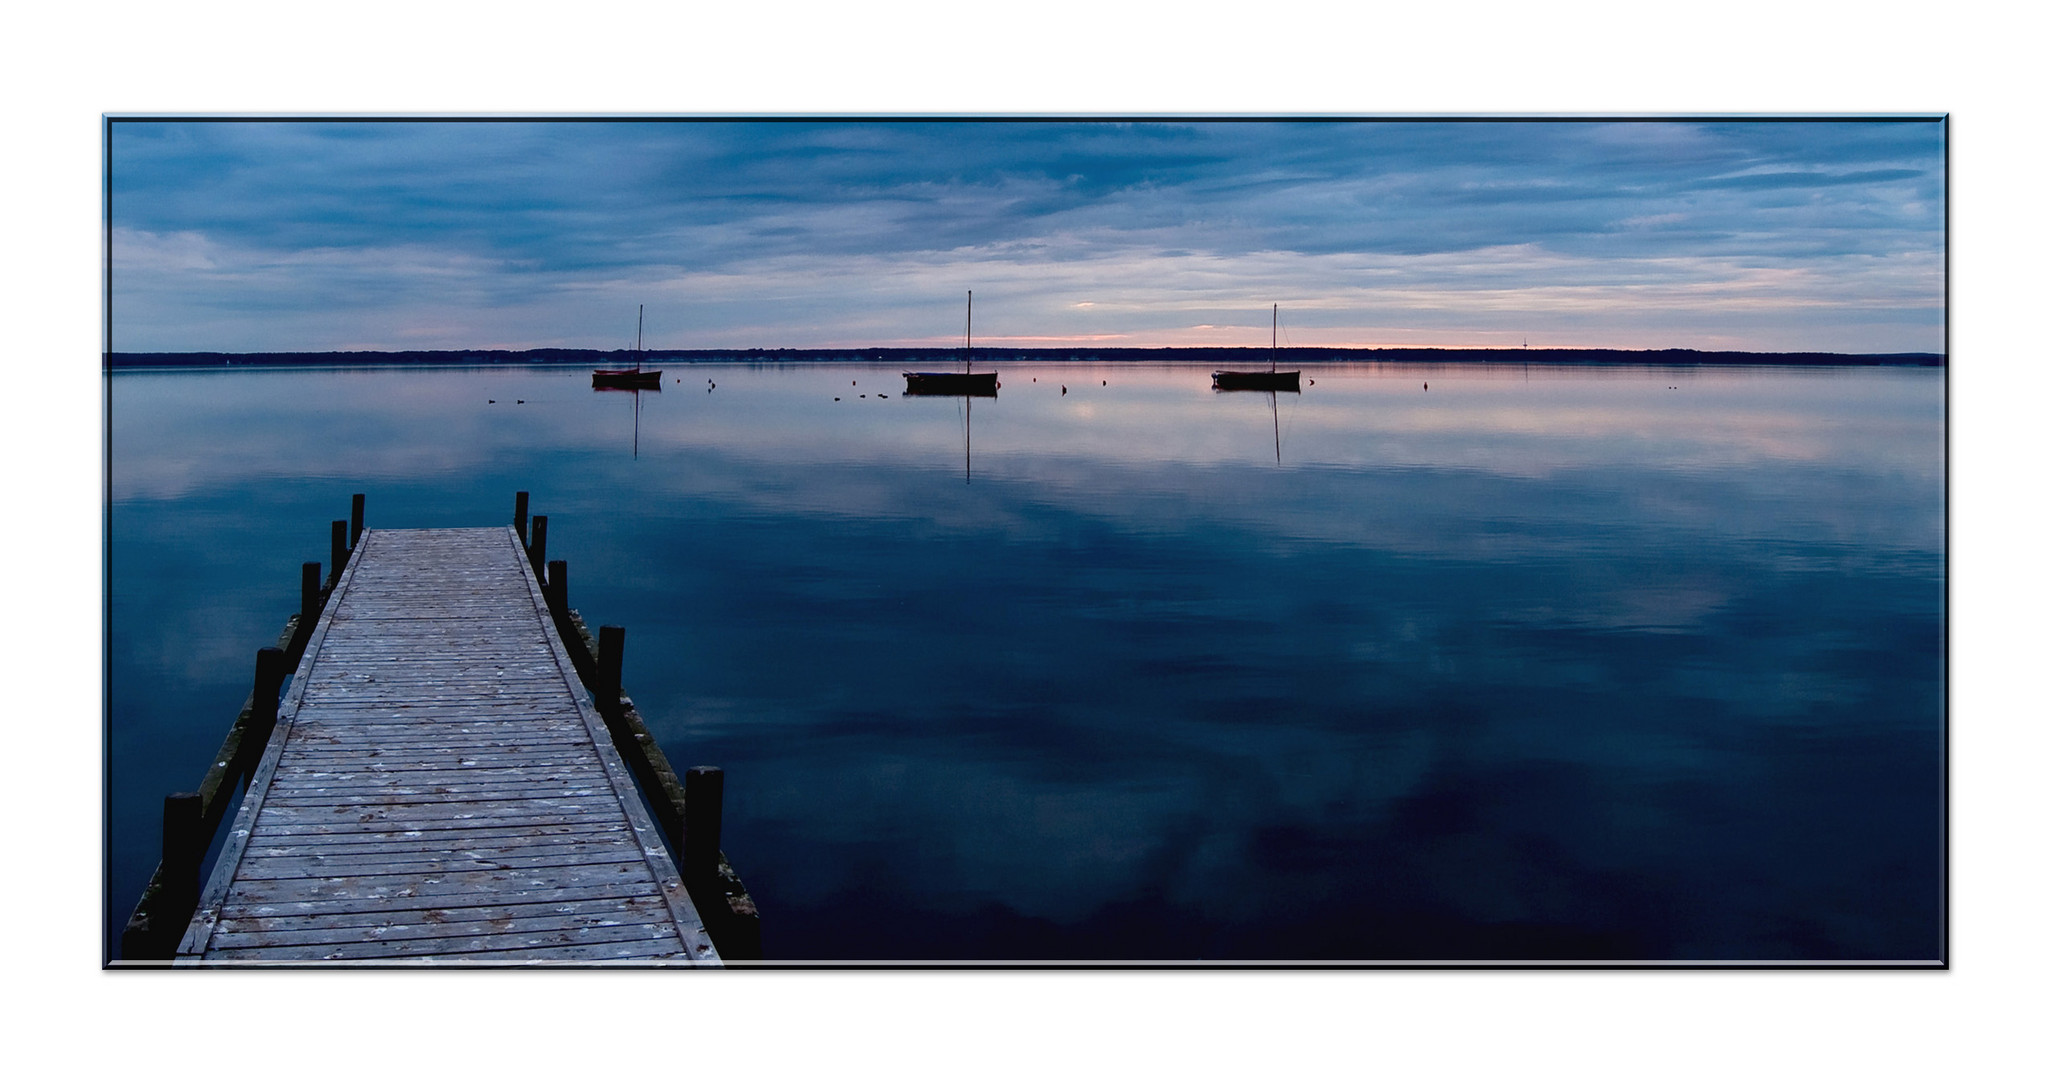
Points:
(437, 789)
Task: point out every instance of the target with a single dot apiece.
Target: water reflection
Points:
(928, 390)
(1276, 440)
(635, 437)
(1541, 664)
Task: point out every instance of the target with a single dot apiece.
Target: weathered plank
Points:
(626, 954)
(397, 845)
(375, 774)
(281, 868)
(662, 940)
(248, 920)
(447, 887)
(511, 730)
(416, 765)
(275, 827)
(438, 789)
(345, 909)
(252, 936)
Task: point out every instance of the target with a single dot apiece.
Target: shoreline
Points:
(1195, 355)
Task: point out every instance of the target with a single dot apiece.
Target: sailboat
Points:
(633, 378)
(983, 384)
(1260, 380)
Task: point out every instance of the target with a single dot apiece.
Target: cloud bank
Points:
(391, 234)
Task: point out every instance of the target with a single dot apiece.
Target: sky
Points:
(390, 234)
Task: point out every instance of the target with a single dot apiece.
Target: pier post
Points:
(538, 548)
(555, 591)
(338, 549)
(702, 841)
(184, 847)
(521, 514)
(271, 674)
(356, 518)
(310, 596)
(606, 694)
(264, 695)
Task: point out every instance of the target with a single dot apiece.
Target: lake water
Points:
(1447, 663)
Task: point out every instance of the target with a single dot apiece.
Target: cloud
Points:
(855, 226)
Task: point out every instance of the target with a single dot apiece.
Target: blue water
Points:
(1445, 663)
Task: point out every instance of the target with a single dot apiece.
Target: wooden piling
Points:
(184, 847)
(356, 519)
(521, 515)
(555, 590)
(538, 547)
(702, 852)
(270, 679)
(310, 595)
(338, 549)
(578, 641)
(606, 689)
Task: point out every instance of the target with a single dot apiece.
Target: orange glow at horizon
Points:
(1232, 337)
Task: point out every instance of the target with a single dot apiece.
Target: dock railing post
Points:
(521, 515)
(271, 675)
(271, 672)
(555, 591)
(607, 693)
(702, 840)
(338, 549)
(538, 547)
(356, 518)
(310, 596)
(184, 847)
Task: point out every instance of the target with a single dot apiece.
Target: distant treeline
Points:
(1238, 357)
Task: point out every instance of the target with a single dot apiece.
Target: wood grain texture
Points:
(439, 789)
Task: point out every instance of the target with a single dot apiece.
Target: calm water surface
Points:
(1423, 662)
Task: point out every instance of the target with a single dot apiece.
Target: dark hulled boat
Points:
(955, 383)
(626, 379)
(1260, 380)
(629, 378)
(1256, 380)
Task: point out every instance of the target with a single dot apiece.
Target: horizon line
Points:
(724, 351)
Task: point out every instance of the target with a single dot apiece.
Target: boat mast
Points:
(966, 331)
(638, 337)
(1273, 339)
